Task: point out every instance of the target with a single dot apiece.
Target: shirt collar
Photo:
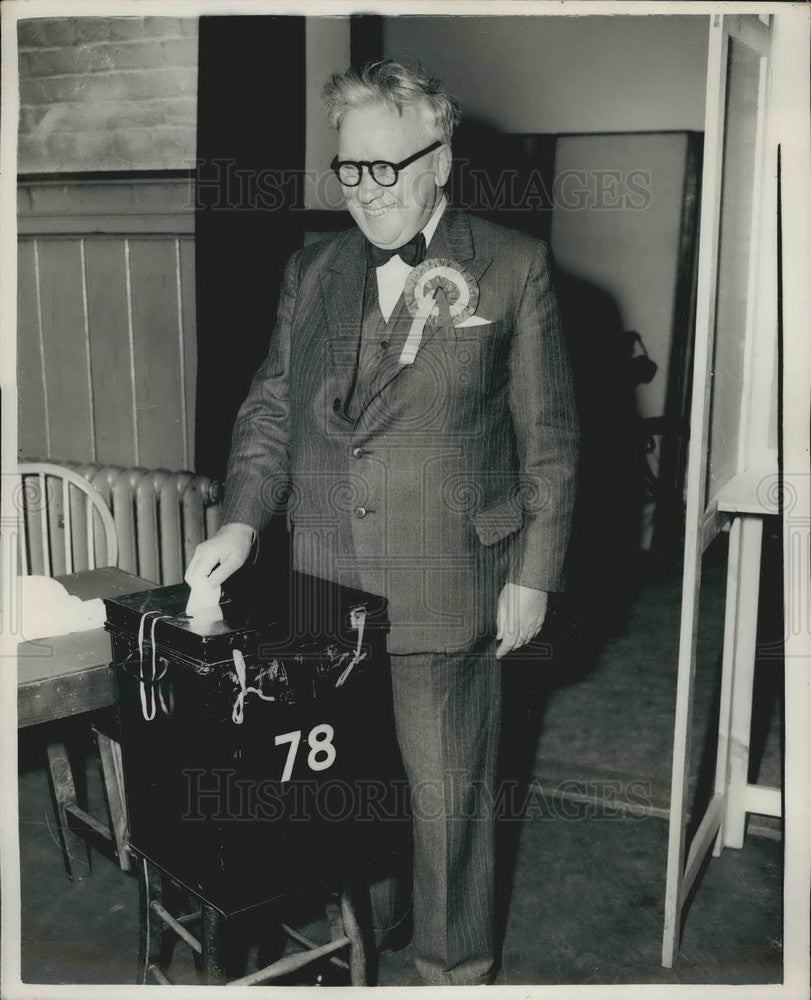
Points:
(433, 222)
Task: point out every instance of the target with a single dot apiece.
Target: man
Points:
(422, 412)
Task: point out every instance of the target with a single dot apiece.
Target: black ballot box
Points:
(259, 755)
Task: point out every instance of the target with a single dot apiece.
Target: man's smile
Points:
(375, 213)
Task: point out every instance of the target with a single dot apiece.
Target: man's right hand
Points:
(215, 559)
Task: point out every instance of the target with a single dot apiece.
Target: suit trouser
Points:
(447, 716)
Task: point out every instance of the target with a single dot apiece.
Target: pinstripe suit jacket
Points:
(458, 472)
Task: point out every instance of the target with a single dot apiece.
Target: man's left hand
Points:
(520, 614)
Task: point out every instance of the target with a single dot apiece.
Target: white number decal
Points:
(320, 742)
(293, 739)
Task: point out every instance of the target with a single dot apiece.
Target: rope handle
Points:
(148, 706)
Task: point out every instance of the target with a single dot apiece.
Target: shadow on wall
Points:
(604, 554)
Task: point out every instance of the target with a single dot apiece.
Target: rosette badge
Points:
(434, 277)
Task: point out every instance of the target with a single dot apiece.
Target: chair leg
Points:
(113, 782)
(357, 926)
(75, 851)
(151, 929)
(212, 939)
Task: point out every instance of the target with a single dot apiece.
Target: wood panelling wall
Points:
(106, 331)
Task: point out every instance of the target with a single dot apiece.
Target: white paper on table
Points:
(47, 609)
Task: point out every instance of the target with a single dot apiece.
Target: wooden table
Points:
(67, 675)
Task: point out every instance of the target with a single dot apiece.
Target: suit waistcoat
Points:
(373, 335)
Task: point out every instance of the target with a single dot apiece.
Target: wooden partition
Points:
(106, 327)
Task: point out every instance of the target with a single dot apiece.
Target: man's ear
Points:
(442, 165)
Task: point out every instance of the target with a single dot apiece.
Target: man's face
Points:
(390, 216)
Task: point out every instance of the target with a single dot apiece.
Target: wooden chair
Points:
(348, 915)
(65, 524)
(67, 529)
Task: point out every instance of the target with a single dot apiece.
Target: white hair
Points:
(391, 84)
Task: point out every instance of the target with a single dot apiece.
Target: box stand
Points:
(349, 921)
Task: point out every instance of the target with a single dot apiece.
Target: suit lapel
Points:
(342, 289)
(452, 240)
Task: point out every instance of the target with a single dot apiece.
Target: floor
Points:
(582, 873)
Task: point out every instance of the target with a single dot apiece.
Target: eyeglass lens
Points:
(382, 173)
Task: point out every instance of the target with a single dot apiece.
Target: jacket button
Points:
(360, 512)
(358, 452)
(336, 404)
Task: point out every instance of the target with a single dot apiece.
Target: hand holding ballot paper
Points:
(212, 563)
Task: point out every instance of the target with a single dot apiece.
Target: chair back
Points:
(65, 524)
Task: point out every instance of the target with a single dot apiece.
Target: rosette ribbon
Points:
(436, 276)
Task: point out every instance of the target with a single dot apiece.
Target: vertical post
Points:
(731, 617)
(743, 672)
(696, 475)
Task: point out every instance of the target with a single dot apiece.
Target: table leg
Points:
(75, 851)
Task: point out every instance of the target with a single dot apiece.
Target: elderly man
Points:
(417, 398)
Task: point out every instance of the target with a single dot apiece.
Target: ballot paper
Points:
(203, 605)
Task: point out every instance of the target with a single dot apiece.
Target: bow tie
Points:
(412, 253)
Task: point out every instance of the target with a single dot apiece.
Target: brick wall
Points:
(116, 93)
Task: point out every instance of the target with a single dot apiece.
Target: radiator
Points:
(160, 516)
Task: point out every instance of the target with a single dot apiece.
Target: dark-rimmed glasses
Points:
(349, 172)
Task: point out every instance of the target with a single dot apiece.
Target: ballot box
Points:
(259, 754)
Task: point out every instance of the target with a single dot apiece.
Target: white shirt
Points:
(391, 276)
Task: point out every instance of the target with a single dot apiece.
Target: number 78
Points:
(319, 740)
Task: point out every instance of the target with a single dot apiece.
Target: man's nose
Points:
(368, 189)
